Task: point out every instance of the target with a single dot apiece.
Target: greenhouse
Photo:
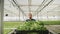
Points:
(30, 16)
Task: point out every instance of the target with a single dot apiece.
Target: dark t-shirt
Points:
(31, 20)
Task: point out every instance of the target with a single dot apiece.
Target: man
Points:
(30, 17)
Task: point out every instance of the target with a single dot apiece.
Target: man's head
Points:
(30, 16)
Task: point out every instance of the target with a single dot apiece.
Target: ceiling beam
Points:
(33, 5)
(41, 5)
(44, 6)
(11, 2)
(19, 8)
(29, 4)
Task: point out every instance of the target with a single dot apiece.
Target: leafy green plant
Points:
(32, 25)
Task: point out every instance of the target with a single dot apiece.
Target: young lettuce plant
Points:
(32, 25)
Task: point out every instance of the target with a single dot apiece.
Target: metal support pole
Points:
(1, 16)
(19, 15)
(29, 5)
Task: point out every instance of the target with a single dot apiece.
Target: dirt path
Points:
(53, 28)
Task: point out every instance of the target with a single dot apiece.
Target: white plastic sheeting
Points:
(39, 18)
(14, 13)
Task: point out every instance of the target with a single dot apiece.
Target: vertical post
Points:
(37, 16)
(1, 16)
(29, 4)
(19, 15)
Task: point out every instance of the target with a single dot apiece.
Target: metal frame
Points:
(44, 1)
(43, 7)
(29, 4)
(38, 10)
(19, 9)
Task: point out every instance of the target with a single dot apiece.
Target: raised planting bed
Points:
(31, 27)
(30, 32)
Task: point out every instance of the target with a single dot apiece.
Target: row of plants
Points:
(31, 25)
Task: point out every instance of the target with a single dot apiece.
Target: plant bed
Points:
(31, 27)
(32, 31)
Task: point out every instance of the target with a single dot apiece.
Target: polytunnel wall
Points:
(39, 10)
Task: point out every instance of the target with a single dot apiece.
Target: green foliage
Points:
(15, 24)
(32, 25)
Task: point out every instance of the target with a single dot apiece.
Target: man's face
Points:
(30, 16)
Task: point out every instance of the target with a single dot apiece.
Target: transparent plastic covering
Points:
(40, 9)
